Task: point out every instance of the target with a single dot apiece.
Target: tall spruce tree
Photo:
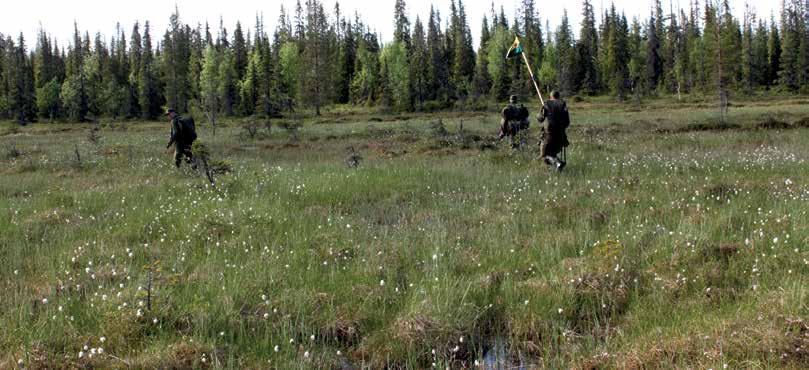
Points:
(463, 64)
(669, 54)
(347, 45)
(73, 95)
(791, 45)
(637, 59)
(731, 44)
(401, 23)
(240, 51)
(803, 52)
(532, 32)
(748, 77)
(419, 59)
(175, 61)
(135, 56)
(759, 62)
(438, 77)
(316, 72)
(618, 54)
(149, 98)
(228, 82)
(48, 84)
(567, 57)
(587, 75)
(773, 53)
(482, 83)
(20, 78)
(654, 61)
(4, 87)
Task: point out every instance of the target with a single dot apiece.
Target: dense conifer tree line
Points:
(317, 57)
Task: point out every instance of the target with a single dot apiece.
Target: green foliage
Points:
(290, 63)
(116, 100)
(394, 56)
(317, 59)
(73, 99)
(366, 77)
(498, 65)
(48, 99)
(209, 84)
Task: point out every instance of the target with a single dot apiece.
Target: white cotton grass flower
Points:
(276, 348)
(306, 354)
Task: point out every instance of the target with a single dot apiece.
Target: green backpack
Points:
(189, 129)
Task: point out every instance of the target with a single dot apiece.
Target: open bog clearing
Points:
(671, 240)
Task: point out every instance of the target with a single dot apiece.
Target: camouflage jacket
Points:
(513, 113)
(557, 116)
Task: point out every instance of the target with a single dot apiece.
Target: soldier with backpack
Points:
(514, 119)
(183, 134)
(554, 135)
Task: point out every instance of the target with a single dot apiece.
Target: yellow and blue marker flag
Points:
(515, 50)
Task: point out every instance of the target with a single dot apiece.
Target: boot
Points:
(560, 165)
(554, 162)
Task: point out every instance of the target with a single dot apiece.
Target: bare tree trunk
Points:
(212, 119)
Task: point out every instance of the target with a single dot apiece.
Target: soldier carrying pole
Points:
(554, 115)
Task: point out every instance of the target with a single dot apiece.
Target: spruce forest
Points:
(345, 201)
(318, 57)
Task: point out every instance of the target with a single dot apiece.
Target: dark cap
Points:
(514, 98)
(170, 111)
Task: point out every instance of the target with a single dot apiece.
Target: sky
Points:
(57, 16)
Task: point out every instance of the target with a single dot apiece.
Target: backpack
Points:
(525, 122)
(557, 114)
(189, 129)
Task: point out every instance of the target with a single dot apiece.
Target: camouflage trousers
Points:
(515, 131)
(182, 150)
(552, 144)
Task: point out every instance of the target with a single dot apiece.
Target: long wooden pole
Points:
(531, 72)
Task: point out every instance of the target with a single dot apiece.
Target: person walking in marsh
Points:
(556, 119)
(183, 135)
(514, 120)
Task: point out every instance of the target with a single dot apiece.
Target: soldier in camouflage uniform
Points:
(514, 119)
(554, 137)
(179, 138)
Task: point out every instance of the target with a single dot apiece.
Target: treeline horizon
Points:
(316, 58)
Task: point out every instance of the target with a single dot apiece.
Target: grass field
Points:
(670, 241)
